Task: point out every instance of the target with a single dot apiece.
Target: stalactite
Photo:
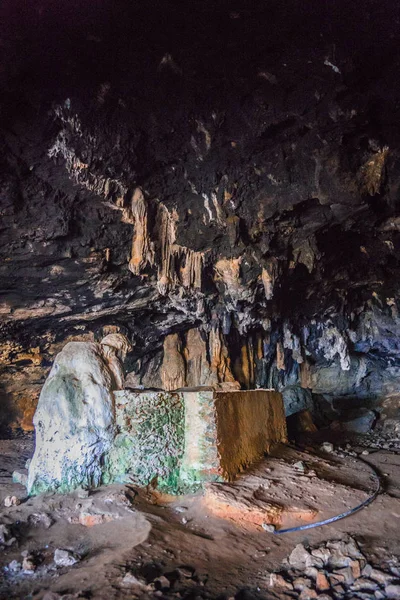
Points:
(269, 275)
(173, 371)
(189, 274)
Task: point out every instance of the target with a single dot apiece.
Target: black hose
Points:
(349, 512)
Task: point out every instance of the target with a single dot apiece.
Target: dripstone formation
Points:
(218, 183)
(90, 432)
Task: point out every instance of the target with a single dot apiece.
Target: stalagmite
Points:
(173, 371)
(198, 368)
(269, 275)
(220, 361)
(280, 357)
(74, 420)
(142, 248)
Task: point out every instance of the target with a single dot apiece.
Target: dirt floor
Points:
(131, 543)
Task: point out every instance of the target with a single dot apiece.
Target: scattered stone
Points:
(380, 576)
(365, 452)
(14, 566)
(338, 589)
(300, 583)
(322, 553)
(40, 520)
(5, 534)
(276, 580)
(392, 591)
(322, 582)
(268, 527)
(82, 493)
(362, 423)
(300, 466)
(355, 568)
(21, 478)
(311, 572)
(185, 572)
(29, 564)
(347, 575)
(162, 583)
(129, 580)
(364, 584)
(327, 447)
(308, 594)
(300, 558)
(11, 501)
(64, 558)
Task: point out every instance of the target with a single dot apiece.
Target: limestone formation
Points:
(173, 372)
(75, 417)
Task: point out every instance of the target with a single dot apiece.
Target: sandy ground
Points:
(210, 551)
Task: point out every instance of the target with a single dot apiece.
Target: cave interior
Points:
(199, 299)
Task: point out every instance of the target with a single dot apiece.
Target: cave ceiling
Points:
(166, 165)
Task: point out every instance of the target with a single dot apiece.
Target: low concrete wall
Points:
(227, 431)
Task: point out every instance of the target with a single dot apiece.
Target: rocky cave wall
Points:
(218, 181)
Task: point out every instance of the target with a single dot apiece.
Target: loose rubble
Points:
(338, 569)
(64, 558)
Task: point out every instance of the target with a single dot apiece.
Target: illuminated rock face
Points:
(89, 434)
(75, 417)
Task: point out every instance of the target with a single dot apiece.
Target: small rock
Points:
(5, 534)
(364, 584)
(326, 447)
(322, 582)
(185, 572)
(276, 580)
(355, 568)
(82, 493)
(365, 452)
(15, 566)
(131, 581)
(21, 478)
(162, 583)
(308, 594)
(322, 553)
(311, 572)
(268, 527)
(347, 575)
(392, 591)
(180, 509)
(11, 501)
(64, 558)
(300, 583)
(338, 589)
(300, 466)
(380, 576)
(29, 564)
(300, 558)
(40, 520)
